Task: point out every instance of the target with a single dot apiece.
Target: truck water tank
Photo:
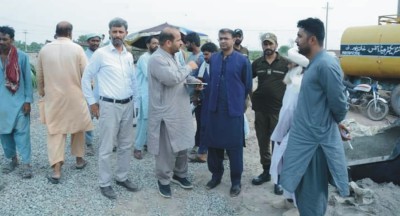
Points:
(372, 51)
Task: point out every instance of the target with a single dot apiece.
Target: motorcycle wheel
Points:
(395, 99)
(378, 113)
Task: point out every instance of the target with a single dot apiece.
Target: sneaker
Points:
(10, 166)
(89, 150)
(27, 172)
(165, 190)
(183, 182)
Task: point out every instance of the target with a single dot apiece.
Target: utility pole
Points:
(326, 24)
(26, 48)
(398, 10)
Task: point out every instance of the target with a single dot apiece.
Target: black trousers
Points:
(264, 125)
(215, 163)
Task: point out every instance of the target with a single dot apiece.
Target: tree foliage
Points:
(82, 39)
(253, 55)
(33, 47)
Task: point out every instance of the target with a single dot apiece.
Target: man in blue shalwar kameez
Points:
(15, 107)
(230, 83)
(142, 79)
(315, 152)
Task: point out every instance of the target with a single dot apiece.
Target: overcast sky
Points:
(39, 17)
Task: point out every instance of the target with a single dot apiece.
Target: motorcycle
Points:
(366, 97)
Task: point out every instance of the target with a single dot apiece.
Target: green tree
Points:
(253, 55)
(20, 45)
(35, 47)
(82, 39)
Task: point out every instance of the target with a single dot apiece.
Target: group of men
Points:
(216, 82)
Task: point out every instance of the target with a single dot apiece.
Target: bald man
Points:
(60, 67)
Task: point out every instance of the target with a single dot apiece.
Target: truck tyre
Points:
(395, 100)
(379, 112)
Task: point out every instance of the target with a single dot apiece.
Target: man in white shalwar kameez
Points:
(281, 133)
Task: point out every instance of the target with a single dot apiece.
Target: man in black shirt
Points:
(270, 70)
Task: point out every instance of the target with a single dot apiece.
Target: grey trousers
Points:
(115, 126)
(168, 162)
(312, 191)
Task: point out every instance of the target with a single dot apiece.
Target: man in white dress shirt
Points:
(113, 66)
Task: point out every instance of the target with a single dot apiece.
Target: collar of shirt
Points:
(112, 48)
(89, 53)
(163, 52)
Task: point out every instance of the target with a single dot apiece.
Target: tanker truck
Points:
(374, 51)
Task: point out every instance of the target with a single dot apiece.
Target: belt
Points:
(123, 101)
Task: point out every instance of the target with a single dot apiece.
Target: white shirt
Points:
(115, 74)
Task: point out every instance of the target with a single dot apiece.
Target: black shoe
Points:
(114, 149)
(278, 189)
(108, 192)
(165, 190)
(264, 177)
(183, 182)
(128, 185)
(212, 184)
(235, 190)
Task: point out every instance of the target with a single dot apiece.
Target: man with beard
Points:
(170, 127)
(314, 152)
(93, 41)
(230, 83)
(16, 97)
(238, 34)
(192, 43)
(267, 100)
(60, 67)
(200, 100)
(114, 69)
(143, 99)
